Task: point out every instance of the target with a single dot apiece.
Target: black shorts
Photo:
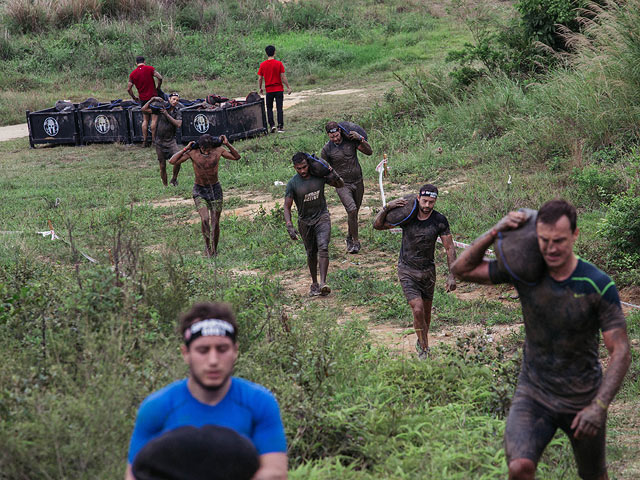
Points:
(351, 195)
(316, 236)
(417, 283)
(166, 150)
(211, 194)
(531, 426)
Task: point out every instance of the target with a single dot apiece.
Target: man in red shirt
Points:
(143, 79)
(271, 71)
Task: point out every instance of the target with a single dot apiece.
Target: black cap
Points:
(189, 453)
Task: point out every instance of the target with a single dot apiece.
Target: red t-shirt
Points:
(142, 78)
(271, 70)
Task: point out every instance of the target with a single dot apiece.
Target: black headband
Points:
(428, 193)
(207, 328)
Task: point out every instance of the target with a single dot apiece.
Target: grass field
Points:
(84, 343)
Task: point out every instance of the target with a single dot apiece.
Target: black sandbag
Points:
(64, 106)
(128, 104)
(253, 97)
(518, 253)
(89, 102)
(400, 215)
(317, 166)
(347, 127)
(157, 105)
(207, 453)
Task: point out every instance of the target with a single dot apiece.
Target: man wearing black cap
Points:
(561, 384)
(212, 396)
(168, 120)
(342, 153)
(416, 267)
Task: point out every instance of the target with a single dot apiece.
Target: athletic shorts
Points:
(316, 236)
(417, 283)
(531, 426)
(166, 150)
(351, 195)
(211, 194)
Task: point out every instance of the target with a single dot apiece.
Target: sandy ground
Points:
(13, 131)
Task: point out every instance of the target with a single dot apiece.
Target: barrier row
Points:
(111, 123)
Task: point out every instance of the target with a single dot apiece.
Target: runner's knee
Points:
(323, 252)
(522, 469)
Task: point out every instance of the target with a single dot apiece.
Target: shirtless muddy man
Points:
(205, 155)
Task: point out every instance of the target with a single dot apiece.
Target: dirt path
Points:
(14, 131)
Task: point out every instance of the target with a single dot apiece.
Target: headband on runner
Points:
(428, 193)
(207, 328)
(333, 130)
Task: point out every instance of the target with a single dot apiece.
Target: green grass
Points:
(83, 344)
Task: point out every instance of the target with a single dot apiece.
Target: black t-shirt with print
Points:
(308, 194)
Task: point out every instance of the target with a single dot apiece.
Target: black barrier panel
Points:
(52, 126)
(135, 126)
(246, 120)
(196, 122)
(104, 125)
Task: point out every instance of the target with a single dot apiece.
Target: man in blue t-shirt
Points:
(561, 384)
(212, 396)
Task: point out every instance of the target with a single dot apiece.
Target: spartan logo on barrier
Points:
(51, 126)
(201, 123)
(102, 124)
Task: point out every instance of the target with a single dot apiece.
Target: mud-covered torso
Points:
(165, 130)
(205, 167)
(419, 240)
(562, 321)
(308, 195)
(344, 159)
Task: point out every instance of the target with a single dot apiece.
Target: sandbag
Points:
(157, 105)
(206, 453)
(89, 102)
(213, 99)
(64, 106)
(518, 253)
(253, 97)
(347, 127)
(401, 215)
(317, 166)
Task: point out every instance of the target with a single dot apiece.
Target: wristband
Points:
(493, 232)
(601, 404)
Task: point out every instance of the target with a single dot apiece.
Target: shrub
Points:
(621, 225)
(596, 183)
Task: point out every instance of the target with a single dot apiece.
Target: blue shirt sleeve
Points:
(149, 424)
(268, 432)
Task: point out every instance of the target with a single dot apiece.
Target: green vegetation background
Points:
(83, 344)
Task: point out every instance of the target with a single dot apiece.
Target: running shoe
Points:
(423, 353)
(273, 129)
(280, 130)
(174, 182)
(325, 289)
(349, 241)
(355, 247)
(315, 291)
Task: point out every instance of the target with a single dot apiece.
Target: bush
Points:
(621, 225)
(596, 184)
